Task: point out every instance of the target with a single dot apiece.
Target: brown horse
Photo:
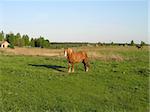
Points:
(76, 57)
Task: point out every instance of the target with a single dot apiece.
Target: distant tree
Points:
(1, 35)
(46, 43)
(10, 38)
(112, 43)
(26, 40)
(21, 42)
(132, 43)
(32, 42)
(143, 43)
(17, 39)
(40, 42)
(35, 43)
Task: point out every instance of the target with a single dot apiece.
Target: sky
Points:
(117, 21)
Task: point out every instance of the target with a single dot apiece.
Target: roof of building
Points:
(1, 42)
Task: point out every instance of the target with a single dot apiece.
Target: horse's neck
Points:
(69, 54)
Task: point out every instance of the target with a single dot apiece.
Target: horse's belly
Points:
(77, 60)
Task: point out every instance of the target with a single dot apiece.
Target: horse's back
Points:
(82, 54)
(79, 56)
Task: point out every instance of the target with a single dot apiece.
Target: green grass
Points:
(42, 84)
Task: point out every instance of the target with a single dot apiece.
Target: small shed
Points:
(4, 44)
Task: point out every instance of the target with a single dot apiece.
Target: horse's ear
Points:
(70, 50)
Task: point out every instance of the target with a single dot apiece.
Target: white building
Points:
(4, 44)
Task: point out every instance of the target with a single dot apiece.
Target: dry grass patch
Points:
(104, 57)
(32, 51)
(100, 53)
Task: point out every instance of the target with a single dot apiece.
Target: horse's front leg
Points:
(72, 67)
(69, 67)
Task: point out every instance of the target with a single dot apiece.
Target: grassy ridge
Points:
(42, 84)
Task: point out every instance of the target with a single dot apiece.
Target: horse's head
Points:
(68, 51)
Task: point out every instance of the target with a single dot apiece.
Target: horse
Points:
(76, 57)
(139, 46)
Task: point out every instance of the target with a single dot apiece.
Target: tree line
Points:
(24, 40)
(132, 43)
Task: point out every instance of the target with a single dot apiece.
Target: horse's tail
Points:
(84, 54)
(86, 60)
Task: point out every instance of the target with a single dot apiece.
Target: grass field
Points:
(116, 82)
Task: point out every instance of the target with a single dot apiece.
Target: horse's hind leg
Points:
(87, 69)
(86, 65)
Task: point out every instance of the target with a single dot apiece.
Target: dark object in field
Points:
(139, 46)
(76, 57)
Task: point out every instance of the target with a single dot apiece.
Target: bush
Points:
(11, 46)
(143, 43)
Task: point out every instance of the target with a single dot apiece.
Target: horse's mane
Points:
(70, 51)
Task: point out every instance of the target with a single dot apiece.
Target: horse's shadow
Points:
(54, 67)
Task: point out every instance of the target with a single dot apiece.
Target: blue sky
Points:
(78, 20)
